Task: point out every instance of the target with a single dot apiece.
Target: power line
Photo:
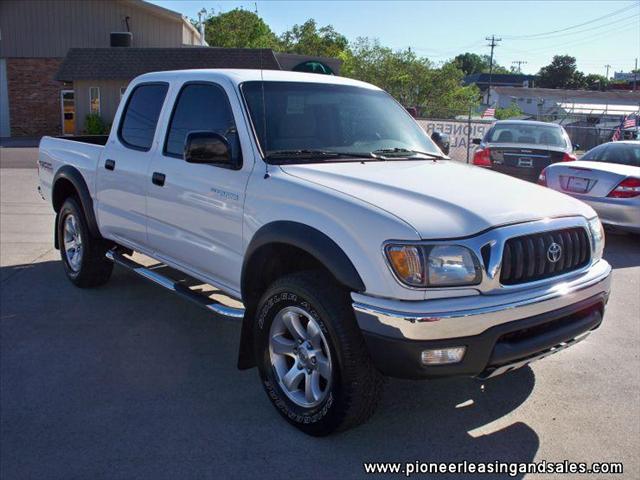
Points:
(633, 24)
(589, 30)
(533, 35)
(493, 44)
(519, 63)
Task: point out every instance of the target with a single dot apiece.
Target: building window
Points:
(94, 100)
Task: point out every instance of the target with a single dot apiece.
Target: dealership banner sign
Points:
(461, 133)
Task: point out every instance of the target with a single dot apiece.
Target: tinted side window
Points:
(201, 107)
(623, 154)
(141, 114)
(595, 153)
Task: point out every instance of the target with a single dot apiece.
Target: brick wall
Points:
(34, 96)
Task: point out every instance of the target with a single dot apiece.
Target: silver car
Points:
(607, 177)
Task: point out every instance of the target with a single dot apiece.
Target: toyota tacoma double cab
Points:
(348, 245)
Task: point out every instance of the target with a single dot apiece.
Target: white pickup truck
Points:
(356, 248)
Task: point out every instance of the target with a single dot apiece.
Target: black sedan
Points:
(523, 148)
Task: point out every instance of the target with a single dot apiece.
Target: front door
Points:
(194, 217)
(68, 109)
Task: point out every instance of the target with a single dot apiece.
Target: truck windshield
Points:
(315, 122)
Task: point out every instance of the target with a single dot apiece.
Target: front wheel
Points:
(82, 254)
(312, 358)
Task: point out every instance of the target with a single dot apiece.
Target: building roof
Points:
(599, 108)
(122, 63)
(498, 78)
(618, 95)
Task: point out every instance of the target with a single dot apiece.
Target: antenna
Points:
(264, 109)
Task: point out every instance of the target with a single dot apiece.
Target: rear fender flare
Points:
(73, 176)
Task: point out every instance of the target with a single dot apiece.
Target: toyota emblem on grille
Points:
(554, 252)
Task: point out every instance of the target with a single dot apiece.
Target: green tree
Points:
(471, 63)
(511, 111)
(562, 72)
(594, 81)
(308, 39)
(239, 28)
(412, 80)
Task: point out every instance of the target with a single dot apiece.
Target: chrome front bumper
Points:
(471, 315)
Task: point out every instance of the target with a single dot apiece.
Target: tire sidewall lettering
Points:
(265, 317)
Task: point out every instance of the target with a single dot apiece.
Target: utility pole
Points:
(493, 43)
(201, 15)
(607, 66)
(519, 63)
(635, 76)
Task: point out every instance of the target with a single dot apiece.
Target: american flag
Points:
(629, 121)
(490, 112)
(617, 134)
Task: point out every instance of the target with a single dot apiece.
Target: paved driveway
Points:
(128, 381)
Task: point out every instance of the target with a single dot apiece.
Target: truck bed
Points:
(82, 152)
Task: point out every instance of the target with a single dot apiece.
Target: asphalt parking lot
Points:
(128, 381)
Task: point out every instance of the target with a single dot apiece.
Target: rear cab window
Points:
(528, 134)
(140, 116)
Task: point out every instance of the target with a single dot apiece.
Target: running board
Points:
(175, 287)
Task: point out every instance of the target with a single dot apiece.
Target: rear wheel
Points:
(311, 355)
(83, 255)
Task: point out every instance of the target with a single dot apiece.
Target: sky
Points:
(609, 31)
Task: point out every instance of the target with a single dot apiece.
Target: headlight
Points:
(434, 265)
(597, 238)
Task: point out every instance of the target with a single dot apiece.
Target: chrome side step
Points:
(176, 287)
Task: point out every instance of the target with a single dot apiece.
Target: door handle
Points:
(158, 178)
(110, 164)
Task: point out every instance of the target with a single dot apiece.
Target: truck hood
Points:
(442, 199)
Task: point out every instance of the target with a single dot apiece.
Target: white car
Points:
(354, 245)
(607, 178)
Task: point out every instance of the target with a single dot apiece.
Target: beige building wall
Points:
(46, 28)
(109, 100)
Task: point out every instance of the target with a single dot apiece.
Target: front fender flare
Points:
(312, 241)
(306, 238)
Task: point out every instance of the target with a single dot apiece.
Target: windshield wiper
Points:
(282, 156)
(404, 153)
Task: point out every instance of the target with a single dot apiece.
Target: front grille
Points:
(529, 257)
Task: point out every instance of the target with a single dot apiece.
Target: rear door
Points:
(123, 169)
(195, 215)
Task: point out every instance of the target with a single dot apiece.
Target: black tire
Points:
(354, 391)
(93, 268)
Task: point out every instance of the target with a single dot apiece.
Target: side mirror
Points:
(476, 141)
(442, 140)
(207, 147)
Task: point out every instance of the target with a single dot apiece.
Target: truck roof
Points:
(238, 76)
